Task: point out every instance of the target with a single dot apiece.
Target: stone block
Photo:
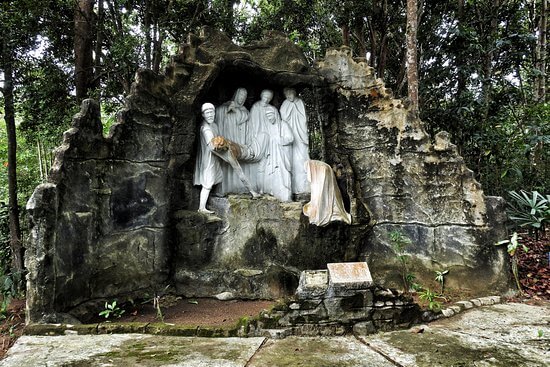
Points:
(386, 313)
(309, 304)
(476, 302)
(485, 301)
(384, 325)
(448, 312)
(313, 316)
(465, 305)
(312, 284)
(456, 309)
(346, 309)
(353, 275)
(364, 328)
(275, 333)
(345, 278)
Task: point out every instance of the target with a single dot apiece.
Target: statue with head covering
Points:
(232, 120)
(293, 112)
(257, 125)
(326, 203)
(208, 171)
(276, 166)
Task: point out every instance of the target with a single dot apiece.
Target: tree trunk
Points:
(147, 31)
(345, 35)
(157, 48)
(412, 63)
(98, 45)
(360, 38)
(9, 116)
(460, 64)
(540, 54)
(487, 83)
(83, 47)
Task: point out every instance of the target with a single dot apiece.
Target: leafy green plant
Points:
(399, 242)
(111, 309)
(431, 297)
(440, 278)
(156, 305)
(513, 245)
(531, 210)
(9, 289)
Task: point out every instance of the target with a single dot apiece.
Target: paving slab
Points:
(317, 352)
(130, 350)
(510, 334)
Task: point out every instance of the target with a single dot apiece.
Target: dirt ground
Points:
(12, 326)
(192, 311)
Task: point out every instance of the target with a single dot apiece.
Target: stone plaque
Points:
(354, 275)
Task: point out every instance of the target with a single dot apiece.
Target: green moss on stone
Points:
(433, 349)
(307, 352)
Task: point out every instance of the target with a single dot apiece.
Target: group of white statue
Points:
(264, 152)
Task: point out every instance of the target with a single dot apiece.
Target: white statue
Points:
(276, 166)
(293, 112)
(326, 203)
(257, 122)
(231, 118)
(208, 170)
(257, 125)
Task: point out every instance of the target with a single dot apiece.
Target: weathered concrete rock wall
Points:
(118, 218)
(412, 184)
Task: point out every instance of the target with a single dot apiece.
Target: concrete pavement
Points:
(509, 334)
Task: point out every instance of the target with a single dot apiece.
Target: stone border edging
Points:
(239, 330)
(466, 305)
(133, 328)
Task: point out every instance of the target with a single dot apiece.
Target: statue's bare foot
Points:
(205, 211)
(255, 195)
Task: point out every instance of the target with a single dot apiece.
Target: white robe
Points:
(208, 170)
(294, 113)
(233, 126)
(326, 203)
(257, 124)
(275, 168)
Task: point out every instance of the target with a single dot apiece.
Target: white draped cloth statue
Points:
(232, 118)
(275, 168)
(257, 125)
(326, 203)
(293, 112)
(208, 170)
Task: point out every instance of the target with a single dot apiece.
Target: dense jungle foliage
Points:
(481, 69)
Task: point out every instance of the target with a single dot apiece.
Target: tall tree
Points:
(9, 116)
(18, 27)
(412, 58)
(540, 52)
(83, 48)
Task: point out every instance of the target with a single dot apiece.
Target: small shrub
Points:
(431, 297)
(531, 210)
(111, 309)
(513, 245)
(398, 242)
(440, 278)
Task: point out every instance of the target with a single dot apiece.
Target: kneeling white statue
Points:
(326, 203)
